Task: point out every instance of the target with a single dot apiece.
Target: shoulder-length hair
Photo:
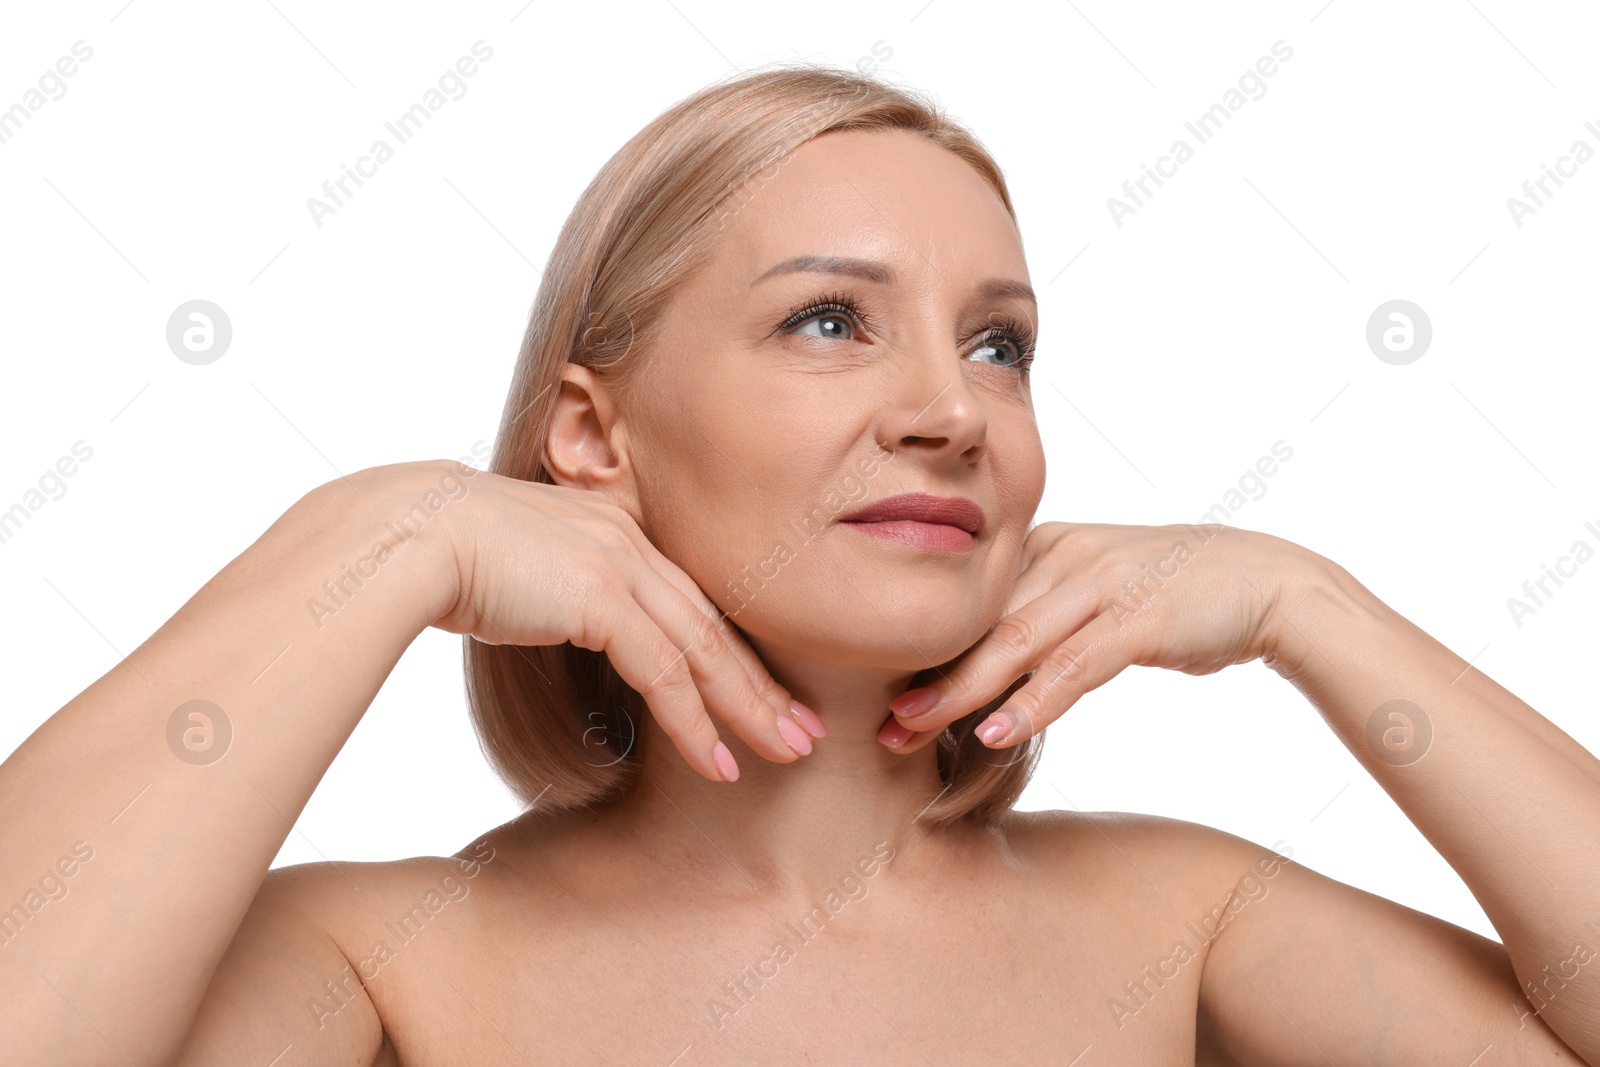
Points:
(557, 723)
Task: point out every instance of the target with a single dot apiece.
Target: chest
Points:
(1005, 982)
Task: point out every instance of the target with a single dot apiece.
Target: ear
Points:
(586, 446)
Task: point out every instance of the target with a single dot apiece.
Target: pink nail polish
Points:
(995, 728)
(725, 763)
(914, 702)
(893, 734)
(794, 737)
(807, 719)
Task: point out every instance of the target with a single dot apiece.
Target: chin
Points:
(903, 638)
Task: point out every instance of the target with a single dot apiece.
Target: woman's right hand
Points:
(541, 564)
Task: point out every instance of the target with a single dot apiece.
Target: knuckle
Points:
(774, 694)
(1093, 537)
(688, 733)
(1029, 703)
(671, 677)
(1062, 671)
(616, 515)
(597, 589)
(680, 715)
(725, 629)
(707, 634)
(960, 688)
(1015, 636)
(696, 732)
(1066, 663)
(1100, 574)
(779, 705)
(607, 534)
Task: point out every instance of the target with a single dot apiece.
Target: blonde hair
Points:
(557, 723)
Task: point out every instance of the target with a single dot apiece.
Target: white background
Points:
(1228, 313)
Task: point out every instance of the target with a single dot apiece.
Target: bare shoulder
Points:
(1297, 967)
(369, 907)
(1168, 855)
(1130, 874)
(286, 982)
(303, 970)
(1156, 891)
(338, 894)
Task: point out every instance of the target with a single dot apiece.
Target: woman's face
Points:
(750, 440)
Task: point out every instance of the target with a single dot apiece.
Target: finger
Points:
(724, 686)
(899, 739)
(907, 741)
(773, 694)
(1031, 583)
(653, 666)
(1087, 660)
(1016, 644)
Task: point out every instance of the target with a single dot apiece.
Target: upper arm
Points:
(284, 992)
(1310, 971)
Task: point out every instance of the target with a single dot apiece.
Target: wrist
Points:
(1319, 613)
(387, 534)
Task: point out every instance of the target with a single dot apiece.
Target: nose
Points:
(933, 408)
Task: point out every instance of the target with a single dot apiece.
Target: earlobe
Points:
(583, 448)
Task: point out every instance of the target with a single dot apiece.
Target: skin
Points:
(613, 935)
(687, 442)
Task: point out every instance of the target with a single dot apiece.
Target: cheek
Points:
(712, 492)
(1019, 480)
(1019, 470)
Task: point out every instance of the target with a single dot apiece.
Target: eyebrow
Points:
(881, 274)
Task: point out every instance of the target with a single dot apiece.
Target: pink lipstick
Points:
(937, 524)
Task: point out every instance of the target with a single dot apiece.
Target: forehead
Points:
(889, 195)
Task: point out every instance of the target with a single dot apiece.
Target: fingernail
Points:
(808, 719)
(893, 734)
(725, 764)
(914, 702)
(995, 728)
(794, 736)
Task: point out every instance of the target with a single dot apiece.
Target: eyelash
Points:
(1007, 328)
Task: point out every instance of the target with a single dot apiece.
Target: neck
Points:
(790, 829)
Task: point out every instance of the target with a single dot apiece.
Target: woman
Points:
(770, 448)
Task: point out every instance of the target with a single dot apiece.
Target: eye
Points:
(1010, 338)
(838, 316)
(835, 315)
(829, 324)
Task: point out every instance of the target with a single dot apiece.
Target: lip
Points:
(923, 508)
(927, 536)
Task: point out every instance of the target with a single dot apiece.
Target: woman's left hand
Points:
(1093, 598)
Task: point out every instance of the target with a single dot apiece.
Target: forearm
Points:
(180, 820)
(1507, 798)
